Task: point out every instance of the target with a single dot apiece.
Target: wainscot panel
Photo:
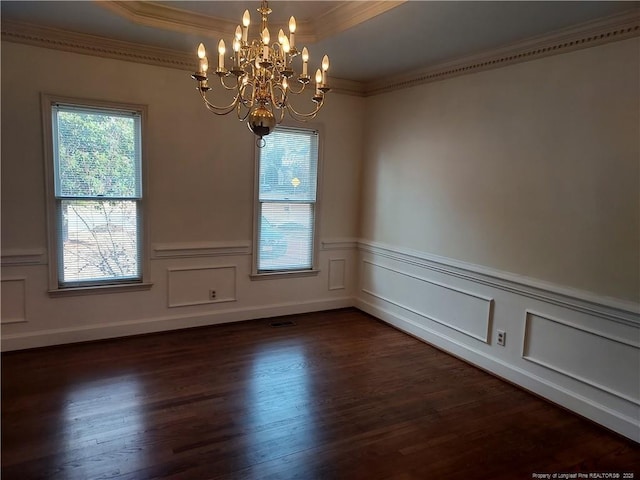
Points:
(201, 285)
(14, 300)
(580, 353)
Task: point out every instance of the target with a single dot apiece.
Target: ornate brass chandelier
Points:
(262, 77)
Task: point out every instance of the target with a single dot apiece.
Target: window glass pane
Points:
(288, 165)
(99, 240)
(97, 153)
(285, 237)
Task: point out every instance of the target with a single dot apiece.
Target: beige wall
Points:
(200, 165)
(531, 169)
(200, 192)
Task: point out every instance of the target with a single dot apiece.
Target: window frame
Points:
(48, 103)
(257, 274)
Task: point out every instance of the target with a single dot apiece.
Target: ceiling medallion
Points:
(262, 77)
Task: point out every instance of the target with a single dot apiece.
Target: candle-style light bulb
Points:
(265, 40)
(236, 53)
(238, 34)
(221, 50)
(325, 67)
(292, 31)
(202, 58)
(281, 37)
(318, 82)
(285, 50)
(305, 61)
(246, 19)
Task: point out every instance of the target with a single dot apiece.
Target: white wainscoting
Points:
(552, 343)
(14, 300)
(578, 351)
(193, 285)
(337, 270)
(438, 302)
(182, 275)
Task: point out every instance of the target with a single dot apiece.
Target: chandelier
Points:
(261, 77)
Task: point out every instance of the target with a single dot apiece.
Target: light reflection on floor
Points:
(279, 414)
(102, 417)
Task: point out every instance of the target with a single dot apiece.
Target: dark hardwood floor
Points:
(339, 395)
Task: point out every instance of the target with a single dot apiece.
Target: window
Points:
(286, 201)
(95, 190)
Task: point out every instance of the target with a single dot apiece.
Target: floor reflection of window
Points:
(280, 415)
(103, 420)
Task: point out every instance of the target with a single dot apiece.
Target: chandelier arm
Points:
(234, 87)
(219, 110)
(282, 101)
(304, 116)
(297, 92)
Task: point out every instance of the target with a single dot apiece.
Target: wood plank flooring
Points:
(338, 395)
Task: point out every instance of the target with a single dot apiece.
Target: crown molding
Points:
(338, 19)
(66, 40)
(349, 14)
(590, 34)
(609, 29)
(169, 18)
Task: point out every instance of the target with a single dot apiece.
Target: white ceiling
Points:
(405, 37)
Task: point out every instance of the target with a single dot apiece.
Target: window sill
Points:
(99, 289)
(284, 274)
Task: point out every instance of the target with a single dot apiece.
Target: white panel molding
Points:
(621, 311)
(170, 284)
(23, 256)
(347, 243)
(489, 301)
(589, 34)
(337, 269)
(525, 354)
(57, 336)
(617, 421)
(200, 249)
(22, 304)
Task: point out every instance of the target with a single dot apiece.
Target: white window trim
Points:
(47, 103)
(303, 272)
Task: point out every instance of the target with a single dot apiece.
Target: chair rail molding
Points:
(200, 249)
(613, 309)
(23, 256)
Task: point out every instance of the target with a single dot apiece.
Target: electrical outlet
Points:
(502, 337)
(212, 294)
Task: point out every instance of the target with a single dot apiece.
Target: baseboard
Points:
(585, 407)
(58, 336)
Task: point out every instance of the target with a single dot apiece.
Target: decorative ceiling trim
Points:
(69, 41)
(83, 43)
(336, 20)
(349, 14)
(609, 29)
(168, 18)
